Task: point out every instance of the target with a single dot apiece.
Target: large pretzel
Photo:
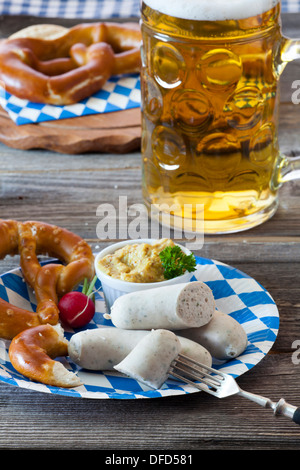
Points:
(49, 281)
(70, 67)
(32, 353)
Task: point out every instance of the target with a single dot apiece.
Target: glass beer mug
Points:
(209, 81)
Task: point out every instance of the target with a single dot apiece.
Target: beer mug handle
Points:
(290, 50)
(288, 168)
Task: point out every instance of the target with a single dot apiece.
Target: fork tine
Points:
(190, 378)
(189, 361)
(198, 385)
(186, 369)
(197, 372)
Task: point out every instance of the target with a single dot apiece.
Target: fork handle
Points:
(283, 408)
(296, 416)
(279, 408)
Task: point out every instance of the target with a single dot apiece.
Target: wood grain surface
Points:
(117, 132)
(66, 190)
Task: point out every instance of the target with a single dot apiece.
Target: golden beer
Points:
(210, 114)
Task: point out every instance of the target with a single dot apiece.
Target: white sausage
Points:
(102, 348)
(170, 307)
(150, 360)
(223, 336)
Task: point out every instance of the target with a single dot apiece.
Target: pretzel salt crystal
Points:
(32, 353)
(49, 281)
(70, 67)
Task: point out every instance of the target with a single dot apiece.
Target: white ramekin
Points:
(114, 288)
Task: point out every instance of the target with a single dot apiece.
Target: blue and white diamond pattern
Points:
(236, 294)
(86, 9)
(118, 94)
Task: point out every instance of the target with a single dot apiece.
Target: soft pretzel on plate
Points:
(37, 337)
(50, 281)
(70, 65)
(32, 353)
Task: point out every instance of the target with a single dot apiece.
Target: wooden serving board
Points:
(116, 132)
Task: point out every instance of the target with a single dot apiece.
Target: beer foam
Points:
(212, 10)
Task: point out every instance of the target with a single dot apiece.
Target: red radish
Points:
(77, 308)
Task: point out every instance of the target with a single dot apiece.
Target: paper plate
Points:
(236, 294)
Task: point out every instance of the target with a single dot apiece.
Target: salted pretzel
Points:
(70, 66)
(32, 353)
(50, 281)
(40, 238)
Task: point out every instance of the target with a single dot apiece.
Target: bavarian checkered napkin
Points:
(90, 8)
(119, 93)
(72, 8)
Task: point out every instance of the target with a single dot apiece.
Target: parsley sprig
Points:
(175, 262)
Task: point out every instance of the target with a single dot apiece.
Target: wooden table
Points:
(66, 190)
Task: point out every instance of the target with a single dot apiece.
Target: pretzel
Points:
(13, 320)
(32, 353)
(71, 66)
(41, 31)
(41, 238)
(45, 291)
(51, 281)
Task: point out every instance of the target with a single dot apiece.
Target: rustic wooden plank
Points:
(32, 420)
(77, 194)
(290, 29)
(10, 24)
(118, 132)
(40, 162)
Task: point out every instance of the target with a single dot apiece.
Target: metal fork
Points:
(223, 385)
